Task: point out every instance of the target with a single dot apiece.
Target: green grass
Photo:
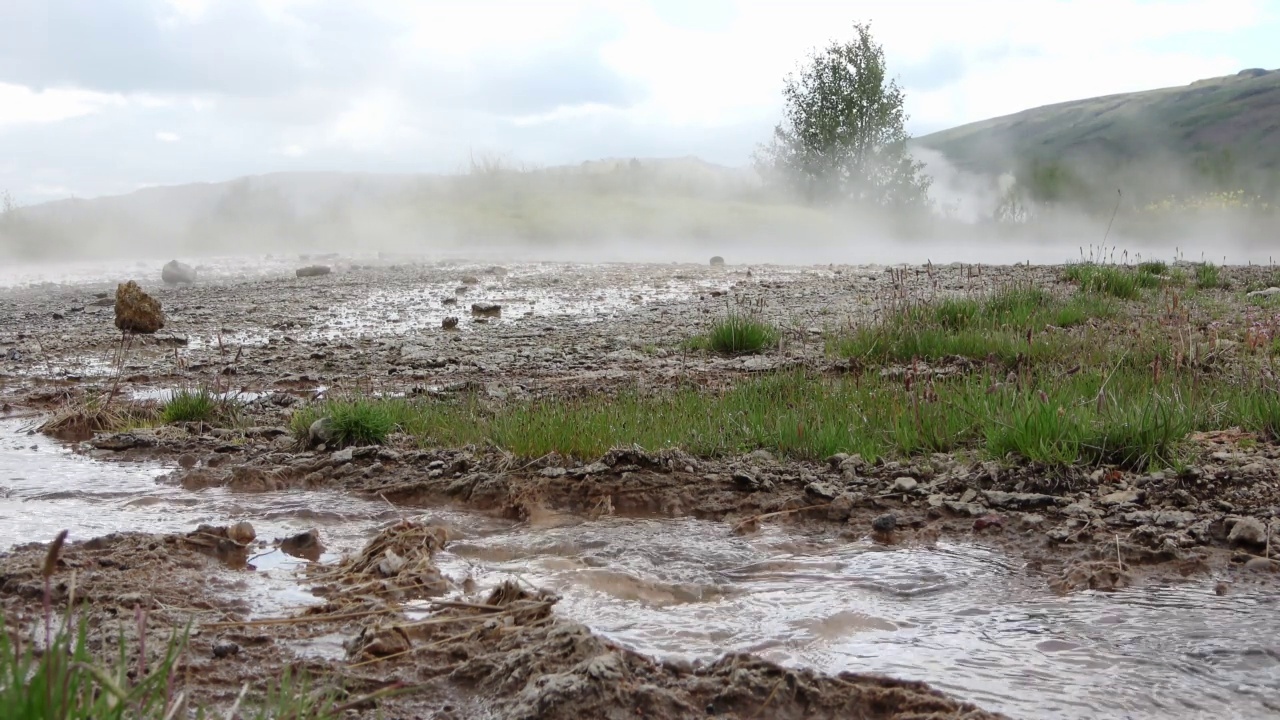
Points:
(353, 422)
(1007, 326)
(67, 682)
(1209, 276)
(1109, 280)
(1119, 415)
(200, 405)
(1154, 267)
(737, 334)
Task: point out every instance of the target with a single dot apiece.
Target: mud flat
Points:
(1101, 428)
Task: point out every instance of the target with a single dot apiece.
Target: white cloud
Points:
(417, 84)
(21, 105)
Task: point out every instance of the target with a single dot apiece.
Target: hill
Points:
(1225, 130)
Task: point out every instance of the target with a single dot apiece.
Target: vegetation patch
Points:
(358, 421)
(737, 334)
(1006, 326)
(1121, 416)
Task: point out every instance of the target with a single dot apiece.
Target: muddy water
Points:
(962, 617)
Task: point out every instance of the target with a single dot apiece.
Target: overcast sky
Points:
(106, 96)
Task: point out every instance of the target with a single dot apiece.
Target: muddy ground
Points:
(282, 341)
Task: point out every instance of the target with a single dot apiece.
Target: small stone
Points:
(242, 532)
(1248, 531)
(717, 261)
(552, 472)
(449, 323)
(320, 432)
(884, 524)
(342, 457)
(988, 521)
(175, 272)
(904, 484)
(824, 491)
(312, 271)
(486, 309)
(1122, 497)
(225, 649)
(1261, 564)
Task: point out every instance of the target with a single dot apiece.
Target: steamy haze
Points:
(572, 130)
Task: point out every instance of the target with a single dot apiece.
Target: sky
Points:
(102, 97)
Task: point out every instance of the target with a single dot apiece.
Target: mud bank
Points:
(1087, 529)
(505, 655)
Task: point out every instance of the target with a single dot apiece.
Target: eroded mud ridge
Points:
(525, 392)
(504, 655)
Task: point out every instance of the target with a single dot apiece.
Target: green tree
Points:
(842, 139)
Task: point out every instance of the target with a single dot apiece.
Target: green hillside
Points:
(1223, 132)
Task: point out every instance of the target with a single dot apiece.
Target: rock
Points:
(312, 271)
(1261, 564)
(750, 483)
(486, 309)
(1248, 531)
(717, 261)
(552, 472)
(242, 532)
(118, 442)
(1253, 469)
(824, 491)
(1122, 497)
(175, 272)
(420, 358)
(1018, 501)
(988, 521)
(320, 432)
(449, 301)
(904, 484)
(470, 280)
(886, 523)
(342, 457)
(305, 545)
(853, 464)
(1264, 293)
(136, 311)
(449, 323)
(225, 649)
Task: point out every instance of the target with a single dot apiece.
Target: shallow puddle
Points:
(961, 617)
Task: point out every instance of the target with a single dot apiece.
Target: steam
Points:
(622, 210)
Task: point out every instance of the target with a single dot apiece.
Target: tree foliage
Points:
(842, 139)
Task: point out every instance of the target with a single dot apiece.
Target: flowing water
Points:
(962, 617)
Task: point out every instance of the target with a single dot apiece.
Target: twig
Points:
(296, 620)
(757, 518)
(235, 706)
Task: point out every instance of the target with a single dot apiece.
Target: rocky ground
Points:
(564, 330)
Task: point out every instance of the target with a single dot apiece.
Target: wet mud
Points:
(404, 609)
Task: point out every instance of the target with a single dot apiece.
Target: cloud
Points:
(236, 87)
(21, 105)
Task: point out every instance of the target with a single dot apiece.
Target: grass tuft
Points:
(1209, 276)
(1108, 280)
(186, 405)
(739, 334)
(352, 422)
